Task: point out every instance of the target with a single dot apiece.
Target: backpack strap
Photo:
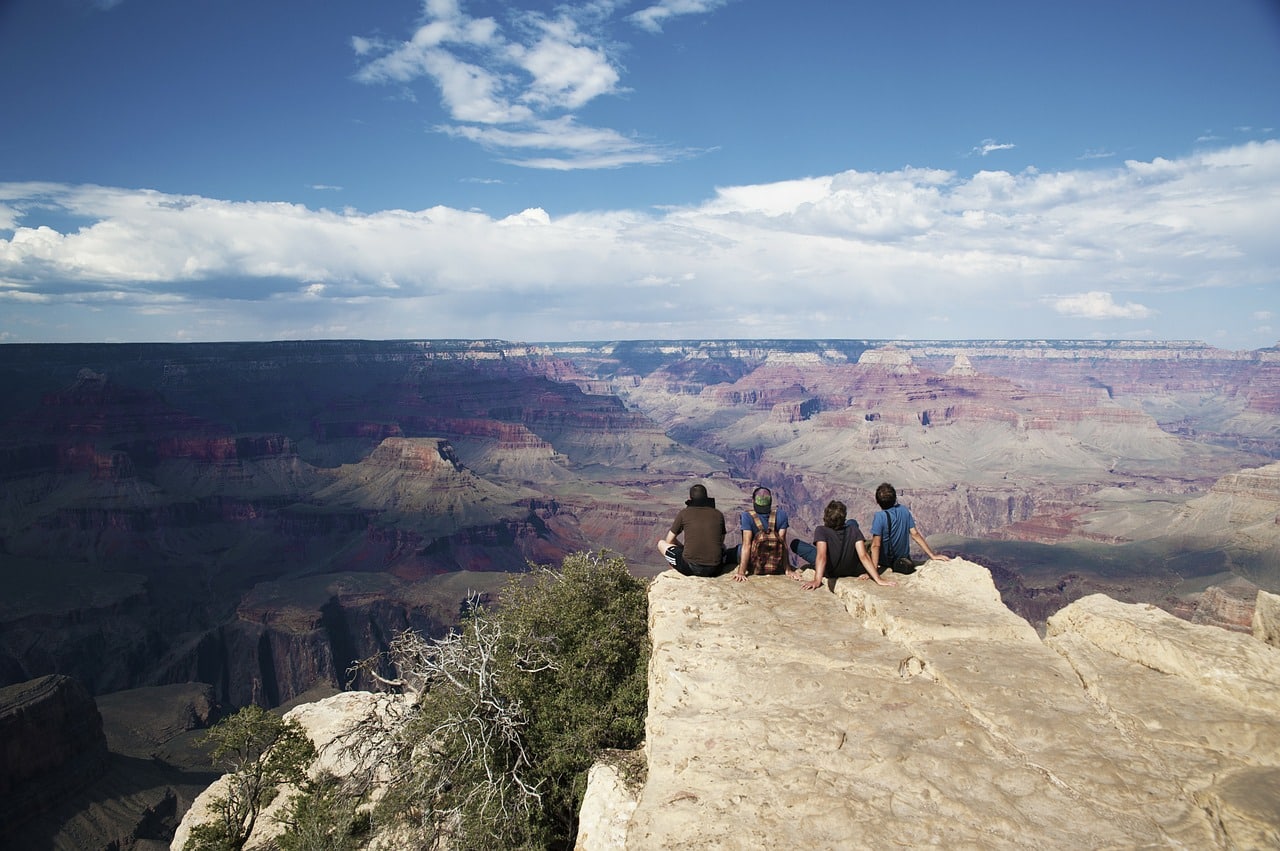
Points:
(755, 519)
(886, 543)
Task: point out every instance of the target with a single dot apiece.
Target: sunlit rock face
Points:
(928, 715)
(1266, 618)
(324, 722)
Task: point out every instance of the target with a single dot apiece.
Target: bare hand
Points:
(812, 584)
(739, 577)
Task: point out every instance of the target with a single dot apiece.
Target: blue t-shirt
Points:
(897, 544)
(746, 525)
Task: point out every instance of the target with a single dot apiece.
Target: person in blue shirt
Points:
(764, 538)
(892, 531)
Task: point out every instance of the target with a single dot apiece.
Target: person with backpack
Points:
(838, 549)
(763, 550)
(892, 531)
(702, 524)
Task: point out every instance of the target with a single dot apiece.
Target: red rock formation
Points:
(1229, 605)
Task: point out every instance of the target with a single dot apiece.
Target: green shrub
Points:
(513, 710)
(261, 751)
(323, 816)
(593, 617)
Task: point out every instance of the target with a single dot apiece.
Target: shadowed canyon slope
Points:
(257, 516)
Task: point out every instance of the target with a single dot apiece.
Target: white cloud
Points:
(566, 71)
(999, 254)
(990, 146)
(652, 18)
(1262, 315)
(577, 146)
(518, 87)
(1098, 305)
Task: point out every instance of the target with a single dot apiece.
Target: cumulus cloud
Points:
(1098, 305)
(998, 254)
(517, 85)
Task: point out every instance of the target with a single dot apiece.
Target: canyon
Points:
(253, 518)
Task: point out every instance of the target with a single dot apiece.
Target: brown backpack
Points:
(768, 547)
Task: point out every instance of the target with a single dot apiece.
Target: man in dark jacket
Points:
(702, 553)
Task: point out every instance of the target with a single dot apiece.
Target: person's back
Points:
(893, 525)
(703, 527)
(841, 547)
(704, 530)
(764, 538)
(892, 531)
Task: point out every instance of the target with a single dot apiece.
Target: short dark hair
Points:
(886, 496)
(834, 515)
(698, 492)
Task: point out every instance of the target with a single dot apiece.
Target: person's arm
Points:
(869, 562)
(819, 566)
(744, 556)
(666, 543)
(924, 545)
(874, 552)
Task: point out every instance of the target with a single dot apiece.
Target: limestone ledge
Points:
(928, 714)
(325, 722)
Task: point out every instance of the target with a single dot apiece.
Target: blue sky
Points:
(225, 170)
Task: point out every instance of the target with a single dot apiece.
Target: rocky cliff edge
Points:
(928, 714)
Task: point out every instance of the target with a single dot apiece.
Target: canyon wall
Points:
(52, 747)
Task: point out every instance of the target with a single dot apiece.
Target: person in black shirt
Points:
(838, 549)
(702, 553)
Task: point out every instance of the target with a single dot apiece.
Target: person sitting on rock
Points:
(838, 549)
(892, 531)
(703, 552)
(764, 539)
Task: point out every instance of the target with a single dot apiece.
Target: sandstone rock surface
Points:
(1266, 618)
(928, 714)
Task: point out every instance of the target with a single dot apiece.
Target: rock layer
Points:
(52, 744)
(928, 714)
